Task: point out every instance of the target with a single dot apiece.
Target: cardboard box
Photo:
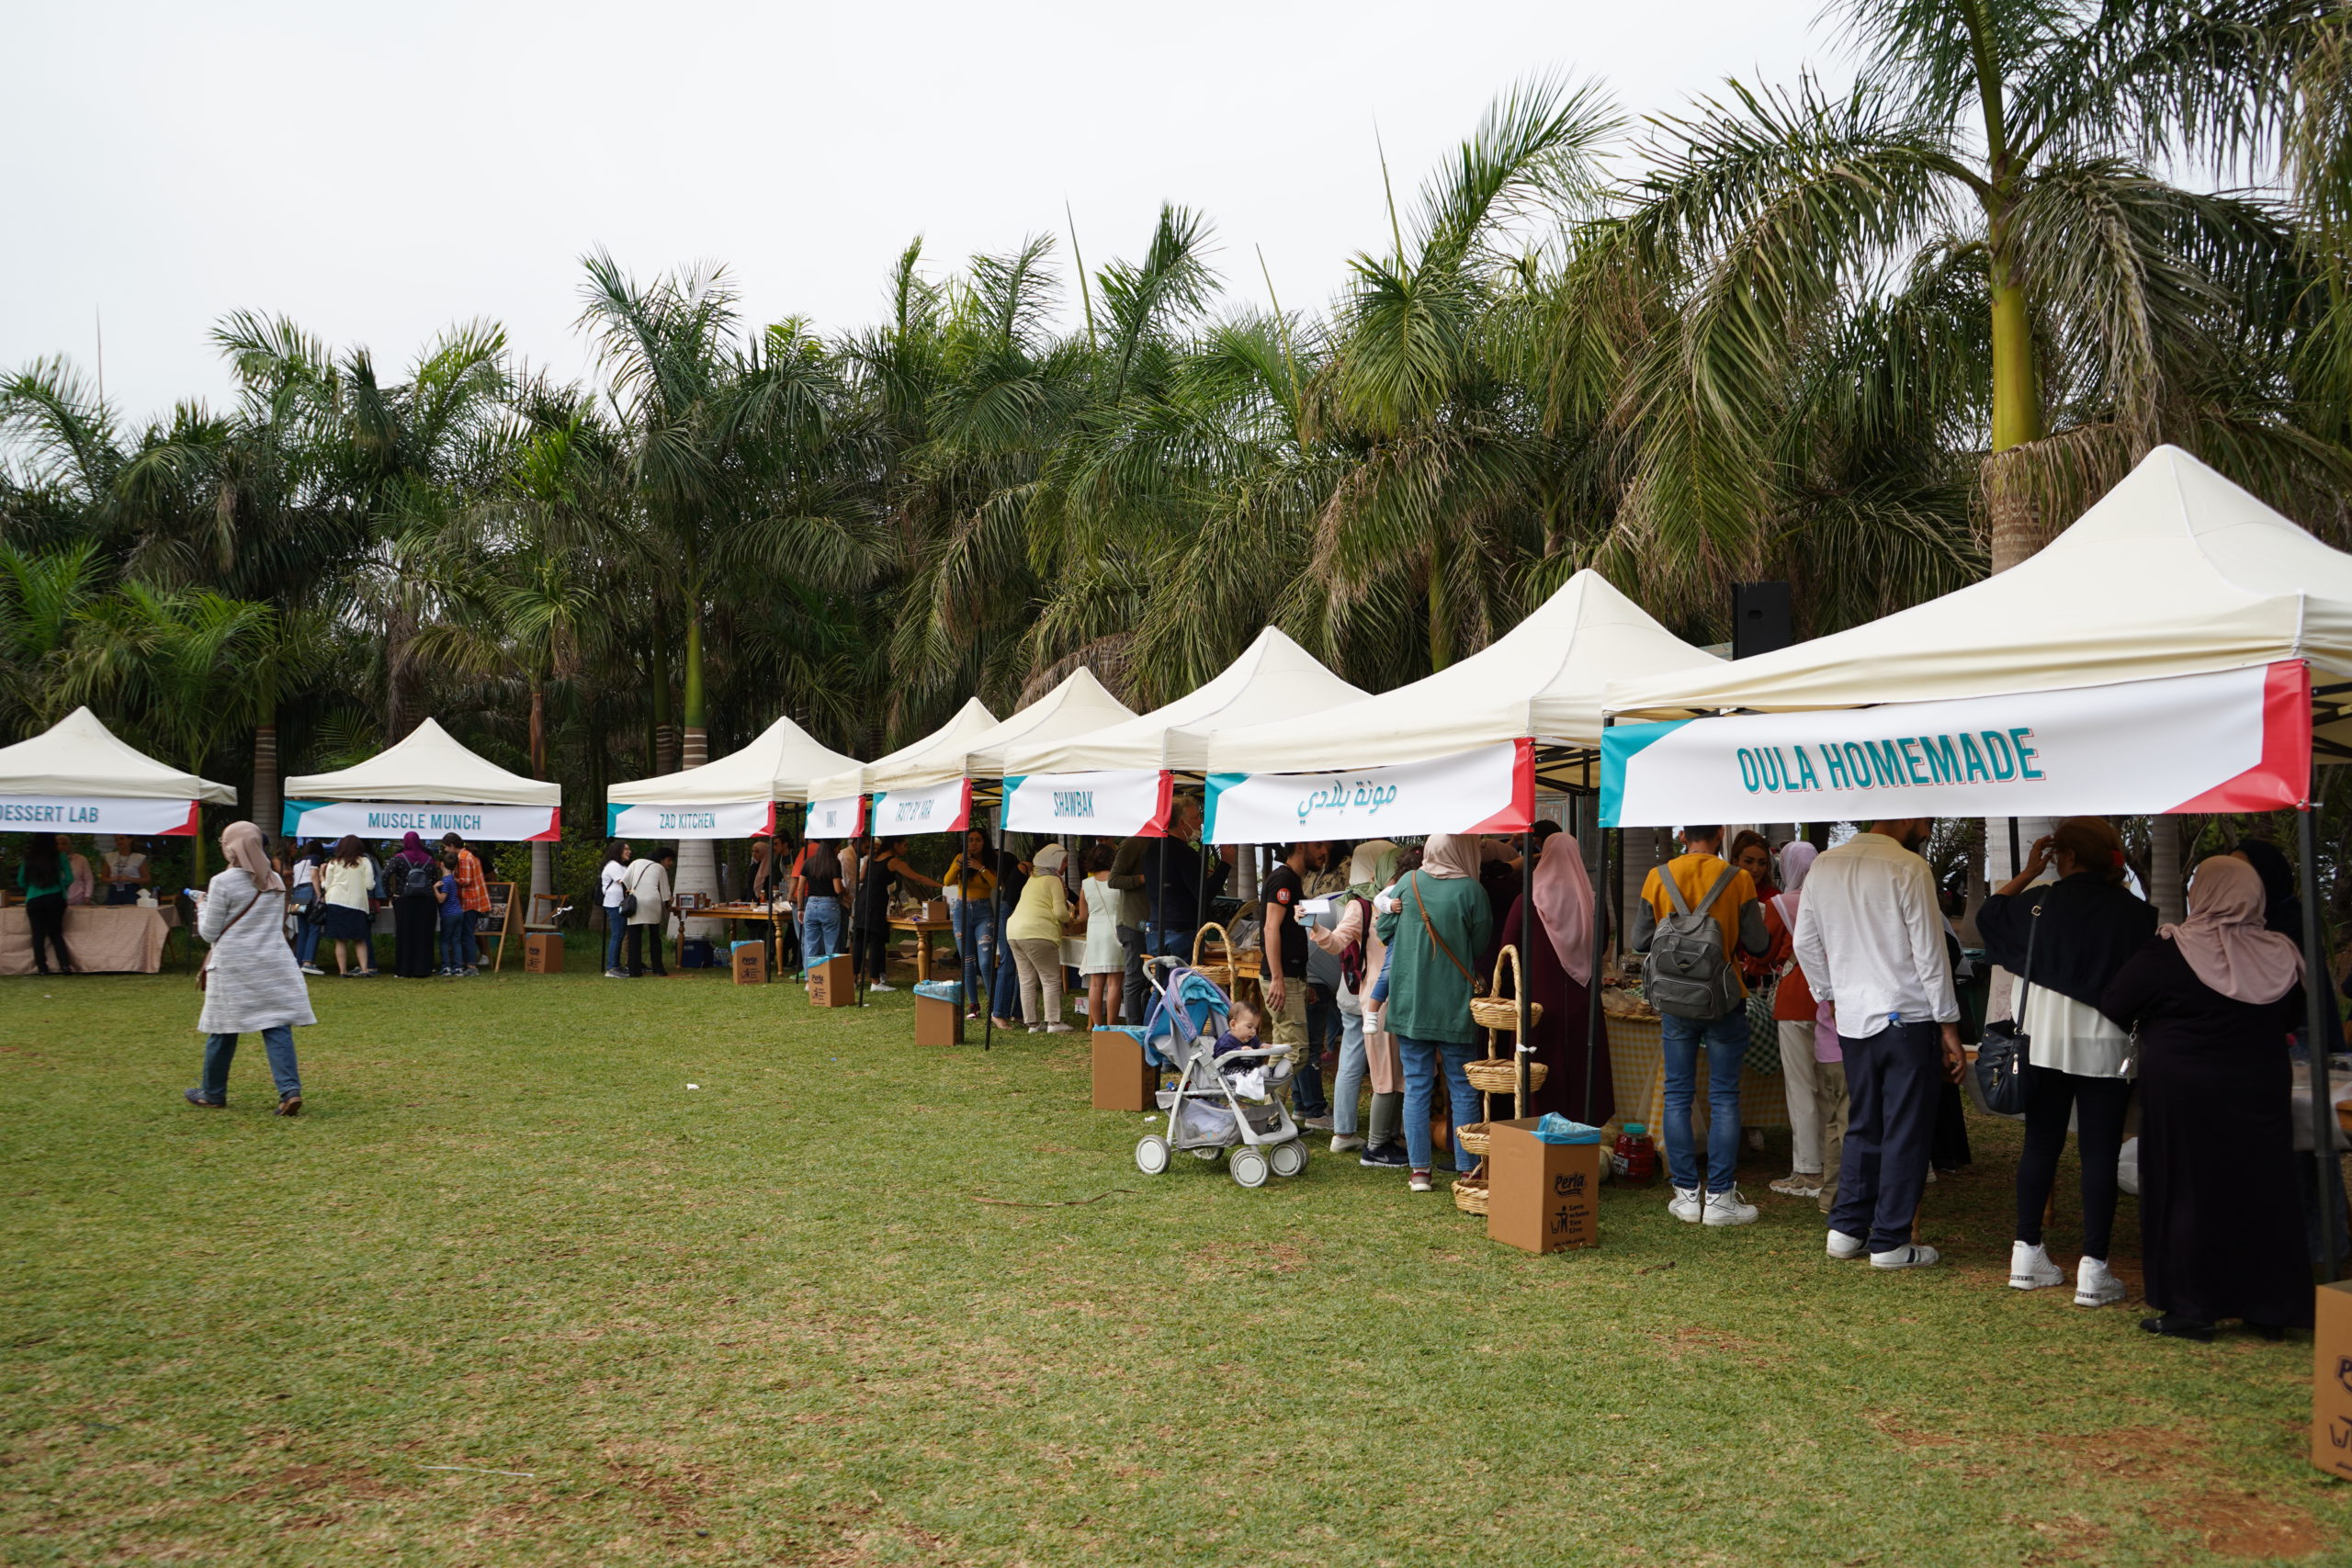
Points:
(832, 984)
(1540, 1197)
(1124, 1081)
(543, 953)
(750, 962)
(2332, 1378)
(938, 1023)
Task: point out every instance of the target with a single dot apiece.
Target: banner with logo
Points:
(96, 814)
(389, 819)
(728, 819)
(1121, 802)
(2229, 741)
(1489, 789)
(843, 817)
(942, 808)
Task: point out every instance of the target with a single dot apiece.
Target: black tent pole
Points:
(1521, 1047)
(995, 961)
(2315, 999)
(1592, 1024)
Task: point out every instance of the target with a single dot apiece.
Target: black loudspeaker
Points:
(1761, 618)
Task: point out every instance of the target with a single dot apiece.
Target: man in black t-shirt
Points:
(1285, 947)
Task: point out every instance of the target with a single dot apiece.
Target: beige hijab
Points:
(1448, 855)
(241, 842)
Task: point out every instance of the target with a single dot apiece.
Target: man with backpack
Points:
(1695, 910)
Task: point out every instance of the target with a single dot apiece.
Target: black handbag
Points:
(2003, 1052)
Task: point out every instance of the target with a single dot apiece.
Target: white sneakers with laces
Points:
(1844, 1246)
(2030, 1267)
(1911, 1254)
(1688, 1204)
(1727, 1208)
(2096, 1285)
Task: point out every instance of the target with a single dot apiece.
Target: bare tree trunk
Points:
(542, 852)
(266, 804)
(697, 858)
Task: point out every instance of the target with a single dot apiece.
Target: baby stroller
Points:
(1207, 1114)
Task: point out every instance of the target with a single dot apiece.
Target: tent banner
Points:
(1489, 789)
(727, 819)
(391, 820)
(96, 814)
(843, 817)
(1119, 801)
(942, 808)
(2227, 741)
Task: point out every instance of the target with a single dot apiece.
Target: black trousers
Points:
(2097, 1106)
(869, 949)
(1892, 1080)
(635, 962)
(46, 915)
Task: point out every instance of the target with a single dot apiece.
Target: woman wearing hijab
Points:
(2074, 937)
(1365, 1053)
(2212, 999)
(1438, 928)
(1813, 1070)
(250, 981)
(1559, 974)
(416, 914)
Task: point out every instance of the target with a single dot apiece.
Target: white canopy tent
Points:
(427, 783)
(936, 755)
(76, 776)
(2175, 571)
(731, 798)
(1081, 705)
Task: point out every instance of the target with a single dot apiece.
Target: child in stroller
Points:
(1226, 1094)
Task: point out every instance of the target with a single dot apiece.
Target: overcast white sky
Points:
(378, 172)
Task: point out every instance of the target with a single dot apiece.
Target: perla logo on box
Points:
(1073, 803)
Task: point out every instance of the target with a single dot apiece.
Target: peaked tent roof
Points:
(80, 756)
(1274, 679)
(940, 753)
(779, 766)
(1541, 680)
(2175, 571)
(1081, 705)
(431, 768)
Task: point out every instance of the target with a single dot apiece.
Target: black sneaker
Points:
(1386, 1156)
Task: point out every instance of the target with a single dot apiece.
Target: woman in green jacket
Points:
(1436, 922)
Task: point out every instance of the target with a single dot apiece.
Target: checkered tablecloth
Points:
(1637, 1067)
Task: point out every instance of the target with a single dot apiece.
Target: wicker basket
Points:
(1499, 1075)
(1219, 975)
(1470, 1193)
(1472, 1138)
(1501, 1011)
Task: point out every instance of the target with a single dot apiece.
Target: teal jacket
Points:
(1428, 994)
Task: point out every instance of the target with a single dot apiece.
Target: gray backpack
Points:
(1689, 974)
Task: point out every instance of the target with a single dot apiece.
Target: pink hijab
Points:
(1564, 905)
(2223, 939)
(241, 842)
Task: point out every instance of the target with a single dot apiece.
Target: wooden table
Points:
(102, 938)
(773, 914)
(922, 930)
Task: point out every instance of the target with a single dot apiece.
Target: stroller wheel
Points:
(1248, 1166)
(1151, 1154)
(1288, 1159)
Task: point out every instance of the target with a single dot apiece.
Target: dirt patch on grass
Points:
(1908, 1436)
(2069, 1538)
(297, 1479)
(1249, 1257)
(2140, 1453)
(2243, 1524)
(1691, 1337)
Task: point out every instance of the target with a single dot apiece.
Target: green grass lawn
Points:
(787, 1317)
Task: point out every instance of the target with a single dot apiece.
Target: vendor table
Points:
(1638, 1065)
(773, 916)
(2339, 1094)
(922, 930)
(103, 938)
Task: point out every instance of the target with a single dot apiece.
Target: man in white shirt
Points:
(1870, 938)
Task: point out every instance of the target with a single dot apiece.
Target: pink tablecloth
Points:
(101, 937)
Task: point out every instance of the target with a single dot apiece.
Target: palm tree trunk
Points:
(267, 801)
(697, 858)
(1441, 624)
(542, 852)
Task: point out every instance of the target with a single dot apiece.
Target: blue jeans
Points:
(615, 933)
(220, 1050)
(1347, 1085)
(1423, 1059)
(820, 931)
(472, 950)
(455, 951)
(307, 932)
(1726, 1042)
(975, 945)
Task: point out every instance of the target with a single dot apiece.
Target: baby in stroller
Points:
(1226, 1089)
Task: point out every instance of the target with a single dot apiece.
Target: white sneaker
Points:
(1688, 1204)
(1844, 1246)
(2096, 1286)
(2031, 1269)
(1345, 1143)
(881, 985)
(312, 969)
(1059, 1029)
(1725, 1208)
(1909, 1255)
